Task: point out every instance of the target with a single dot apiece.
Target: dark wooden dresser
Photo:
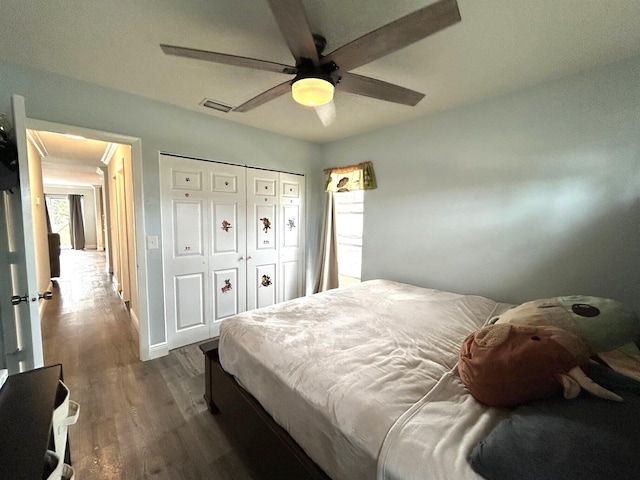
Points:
(27, 402)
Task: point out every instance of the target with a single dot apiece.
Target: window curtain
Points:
(76, 225)
(341, 179)
(328, 264)
(353, 177)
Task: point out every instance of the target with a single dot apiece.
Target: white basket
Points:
(54, 464)
(67, 473)
(64, 415)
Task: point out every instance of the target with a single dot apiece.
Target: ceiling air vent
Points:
(222, 107)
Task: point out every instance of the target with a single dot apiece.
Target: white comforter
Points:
(364, 372)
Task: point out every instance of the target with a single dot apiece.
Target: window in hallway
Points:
(58, 206)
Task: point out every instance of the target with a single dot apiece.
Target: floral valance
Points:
(353, 177)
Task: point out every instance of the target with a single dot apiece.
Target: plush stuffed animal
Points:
(603, 323)
(505, 365)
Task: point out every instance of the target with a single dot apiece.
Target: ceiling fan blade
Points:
(370, 87)
(396, 35)
(326, 113)
(294, 26)
(227, 59)
(264, 97)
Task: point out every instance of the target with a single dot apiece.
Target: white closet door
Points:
(291, 242)
(262, 238)
(184, 206)
(232, 240)
(227, 234)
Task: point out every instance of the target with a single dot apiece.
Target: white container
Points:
(67, 473)
(64, 415)
(53, 465)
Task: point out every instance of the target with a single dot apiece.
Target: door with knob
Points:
(204, 246)
(21, 340)
(226, 248)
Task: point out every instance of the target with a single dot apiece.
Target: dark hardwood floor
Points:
(138, 419)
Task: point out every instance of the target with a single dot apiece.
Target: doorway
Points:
(97, 210)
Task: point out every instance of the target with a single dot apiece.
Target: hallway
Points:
(137, 420)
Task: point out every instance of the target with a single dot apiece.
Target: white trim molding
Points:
(158, 350)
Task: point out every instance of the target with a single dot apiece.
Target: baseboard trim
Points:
(158, 350)
(134, 319)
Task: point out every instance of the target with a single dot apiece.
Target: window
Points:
(58, 207)
(349, 226)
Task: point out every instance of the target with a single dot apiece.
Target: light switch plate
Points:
(152, 242)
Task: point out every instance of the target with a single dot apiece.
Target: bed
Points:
(358, 382)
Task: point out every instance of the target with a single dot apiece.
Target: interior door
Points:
(124, 278)
(21, 336)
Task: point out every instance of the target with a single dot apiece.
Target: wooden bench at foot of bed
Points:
(269, 450)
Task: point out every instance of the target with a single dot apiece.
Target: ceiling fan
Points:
(316, 75)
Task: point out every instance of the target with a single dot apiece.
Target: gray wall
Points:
(165, 128)
(523, 196)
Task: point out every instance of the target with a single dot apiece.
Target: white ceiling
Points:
(70, 160)
(499, 46)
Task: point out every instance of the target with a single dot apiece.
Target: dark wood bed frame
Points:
(269, 450)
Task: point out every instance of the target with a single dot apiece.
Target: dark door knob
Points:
(17, 299)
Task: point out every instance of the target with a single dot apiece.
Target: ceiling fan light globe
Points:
(312, 92)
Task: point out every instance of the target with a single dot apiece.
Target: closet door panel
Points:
(189, 301)
(291, 226)
(227, 257)
(290, 280)
(227, 288)
(185, 221)
(262, 238)
(226, 230)
(188, 221)
(264, 231)
(291, 240)
(263, 285)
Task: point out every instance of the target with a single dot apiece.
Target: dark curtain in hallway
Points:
(76, 225)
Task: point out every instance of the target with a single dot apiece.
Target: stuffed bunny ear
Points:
(576, 378)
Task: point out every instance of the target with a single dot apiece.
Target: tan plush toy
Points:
(603, 323)
(505, 365)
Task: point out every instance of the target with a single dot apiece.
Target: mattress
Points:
(352, 373)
